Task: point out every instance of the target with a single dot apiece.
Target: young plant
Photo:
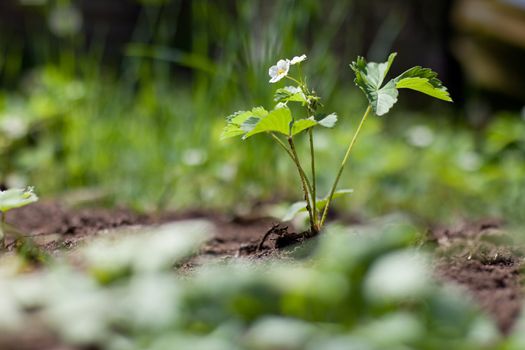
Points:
(280, 122)
(11, 199)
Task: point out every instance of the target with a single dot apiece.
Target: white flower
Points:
(279, 71)
(298, 59)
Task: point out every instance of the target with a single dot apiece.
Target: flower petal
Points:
(277, 78)
(284, 65)
(298, 59)
(273, 71)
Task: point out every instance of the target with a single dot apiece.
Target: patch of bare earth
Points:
(478, 256)
(486, 261)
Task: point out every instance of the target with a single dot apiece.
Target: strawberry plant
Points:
(11, 199)
(284, 126)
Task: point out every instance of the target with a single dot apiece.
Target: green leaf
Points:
(16, 198)
(302, 124)
(423, 80)
(258, 120)
(376, 72)
(231, 130)
(369, 77)
(384, 99)
(328, 121)
(249, 124)
(321, 203)
(277, 120)
(299, 207)
(290, 93)
(294, 209)
(236, 121)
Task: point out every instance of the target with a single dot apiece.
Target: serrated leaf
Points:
(384, 99)
(16, 198)
(376, 72)
(238, 117)
(249, 124)
(328, 121)
(301, 125)
(231, 130)
(423, 80)
(236, 121)
(289, 93)
(277, 120)
(233, 126)
(369, 77)
(300, 206)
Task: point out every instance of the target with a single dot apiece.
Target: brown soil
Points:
(53, 227)
(485, 260)
(478, 256)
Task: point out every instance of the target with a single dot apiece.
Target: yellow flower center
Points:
(280, 71)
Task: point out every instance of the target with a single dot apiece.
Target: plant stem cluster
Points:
(369, 77)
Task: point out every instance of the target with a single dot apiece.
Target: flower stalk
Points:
(343, 163)
(2, 230)
(307, 189)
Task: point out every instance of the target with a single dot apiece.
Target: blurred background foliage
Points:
(127, 99)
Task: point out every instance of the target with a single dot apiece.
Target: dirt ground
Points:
(483, 258)
(478, 256)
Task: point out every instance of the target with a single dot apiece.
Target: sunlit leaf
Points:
(289, 93)
(16, 198)
(249, 124)
(423, 80)
(321, 203)
(294, 209)
(277, 120)
(385, 98)
(369, 77)
(376, 72)
(301, 125)
(328, 121)
(231, 130)
(299, 207)
(236, 121)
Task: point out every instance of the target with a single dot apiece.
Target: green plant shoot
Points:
(11, 199)
(280, 124)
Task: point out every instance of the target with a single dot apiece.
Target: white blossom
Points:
(279, 71)
(298, 59)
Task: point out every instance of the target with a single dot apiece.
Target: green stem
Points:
(345, 159)
(281, 143)
(306, 186)
(314, 189)
(294, 80)
(2, 231)
(301, 74)
(299, 168)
